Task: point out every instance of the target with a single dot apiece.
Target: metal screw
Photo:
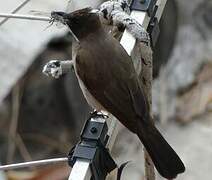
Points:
(93, 130)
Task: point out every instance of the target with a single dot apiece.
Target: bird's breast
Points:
(88, 96)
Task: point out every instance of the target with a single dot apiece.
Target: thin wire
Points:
(33, 163)
(29, 17)
(14, 11)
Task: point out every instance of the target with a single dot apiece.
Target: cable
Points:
(20, 16)
(14, 11)
(33, 163)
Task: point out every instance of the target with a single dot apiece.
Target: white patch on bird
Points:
(75, 37)
(94, 11)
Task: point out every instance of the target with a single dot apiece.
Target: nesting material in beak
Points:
(58, 16)
(61, 17)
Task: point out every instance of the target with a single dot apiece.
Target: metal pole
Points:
(28, 17)
(15, 10)
(80, 171)
(161, 5)
(129, 41)
(33, 163)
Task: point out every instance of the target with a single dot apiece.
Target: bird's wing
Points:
(114, 84)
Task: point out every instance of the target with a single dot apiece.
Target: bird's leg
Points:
(96, 113)
(93, 113)
(56, 68)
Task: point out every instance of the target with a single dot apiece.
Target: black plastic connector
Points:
(92, 147)
(153, 28)
(151, 8)
(143, 5)
(154, 31)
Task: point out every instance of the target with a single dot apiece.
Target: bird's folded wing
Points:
(114, 85)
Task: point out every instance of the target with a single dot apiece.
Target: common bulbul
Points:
(110, 83)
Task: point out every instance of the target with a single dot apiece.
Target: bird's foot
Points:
(145, 39)
(53, 68)
(96, 113)
(93, 113)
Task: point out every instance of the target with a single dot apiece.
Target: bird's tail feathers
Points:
(165, 159)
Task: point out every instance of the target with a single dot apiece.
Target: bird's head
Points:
(81, 22)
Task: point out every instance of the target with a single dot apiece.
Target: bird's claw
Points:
(101, 114)
(145, 38)
(53, 68)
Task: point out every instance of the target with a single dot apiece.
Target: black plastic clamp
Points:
(143, 5)
(92, 147)
(151, 8)
(153, 28)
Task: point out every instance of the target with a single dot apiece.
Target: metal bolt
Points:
(93, 130)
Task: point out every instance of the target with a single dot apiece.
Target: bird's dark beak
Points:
(59, 16)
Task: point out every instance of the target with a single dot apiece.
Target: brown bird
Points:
(109, 82)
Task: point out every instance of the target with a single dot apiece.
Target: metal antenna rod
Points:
(29, 17)
(33, 163)
(15, 10)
